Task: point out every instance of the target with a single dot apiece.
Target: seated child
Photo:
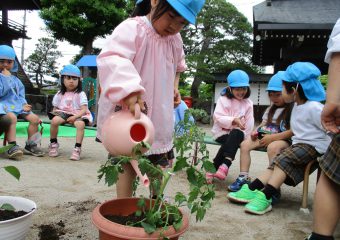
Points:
(300, 85)
(13, 104)
(69, 106)
(273, 133)
(233, 122)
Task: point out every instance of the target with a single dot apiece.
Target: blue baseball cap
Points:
(306, 74)
(70, 70)
(188, 9)
(238, 78)
(6, 52)
(275, 82)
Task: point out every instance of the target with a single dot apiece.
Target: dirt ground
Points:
(66, 192)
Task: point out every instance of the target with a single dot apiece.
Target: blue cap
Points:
(306, 74)
(188, 9)
(139, 1)
(238, 78)
(6, 52)
(275, 82)
(70, 70)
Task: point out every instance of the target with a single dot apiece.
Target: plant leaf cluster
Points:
(157, 212)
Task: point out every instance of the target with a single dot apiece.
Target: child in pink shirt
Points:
(140, 63)
(233, 121)
(69, 106)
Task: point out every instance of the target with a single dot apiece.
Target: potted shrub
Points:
(156, 218)
(15, 212)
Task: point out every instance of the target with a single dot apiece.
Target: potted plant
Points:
(156, 218)
(15, 212)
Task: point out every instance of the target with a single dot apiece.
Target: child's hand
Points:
(27, 107)
(177, 98)
(238, 122)
(254, 135)
(266, 140)
(71, 119)
(6, 72)
(131, 101)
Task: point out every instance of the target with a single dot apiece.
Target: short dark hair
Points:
(63, 88)
(229, 94)
(144, 8)
(290, 86)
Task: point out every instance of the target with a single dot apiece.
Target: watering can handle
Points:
(137, 111)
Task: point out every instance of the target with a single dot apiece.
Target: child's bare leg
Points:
(277, 178)
(11, 134)
(33, 126)
(125, 181)
(326, 206)
(275, 148)
(245, 148)
(265, 176)
(56, 121)
(80, 125)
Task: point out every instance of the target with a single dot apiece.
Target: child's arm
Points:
(177, 96)
(268, 138)
(119, 78)
(26, 107)
(83, 110)
(330, 117)
(249, 120)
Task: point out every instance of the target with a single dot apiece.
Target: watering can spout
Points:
(143, 178)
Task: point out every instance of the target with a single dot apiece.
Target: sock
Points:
(13, 142)
(227, 161)
(243, 174)
(53, 140)
(256, 185)
(270, 191)
(316, 236)
(77, 145)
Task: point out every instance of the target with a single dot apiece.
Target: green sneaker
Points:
(259, 205)
(244, 195)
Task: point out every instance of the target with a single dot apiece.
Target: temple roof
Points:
(20, 4)
(293, 30)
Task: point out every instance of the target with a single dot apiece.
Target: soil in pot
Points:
(8, 214)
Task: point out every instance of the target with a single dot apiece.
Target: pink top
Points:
(137, 59)
(70, 103)
(228, 109)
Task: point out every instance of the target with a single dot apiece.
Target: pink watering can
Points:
(122, 132)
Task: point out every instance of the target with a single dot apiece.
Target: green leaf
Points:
(180, 198)
(7, 206)
(13, 171)
(178, 225)
(5, 148)
(180, 164)
(148, 227)
(209, 166)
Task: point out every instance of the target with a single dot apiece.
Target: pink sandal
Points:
(222, 172)
(209, 177)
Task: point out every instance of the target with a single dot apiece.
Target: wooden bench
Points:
(304, 202)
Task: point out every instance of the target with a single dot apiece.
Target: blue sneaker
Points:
(235, 186)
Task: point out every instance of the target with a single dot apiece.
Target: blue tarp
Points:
(87, 61)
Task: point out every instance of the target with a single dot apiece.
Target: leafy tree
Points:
(43, 60)
(81, 22)
(220, 41)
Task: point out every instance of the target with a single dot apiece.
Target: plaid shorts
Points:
(330, 162)
(293, 161)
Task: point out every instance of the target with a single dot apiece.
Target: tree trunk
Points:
(87, 51)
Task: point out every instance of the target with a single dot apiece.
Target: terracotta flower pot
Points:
(124, 206)
(17, 228)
